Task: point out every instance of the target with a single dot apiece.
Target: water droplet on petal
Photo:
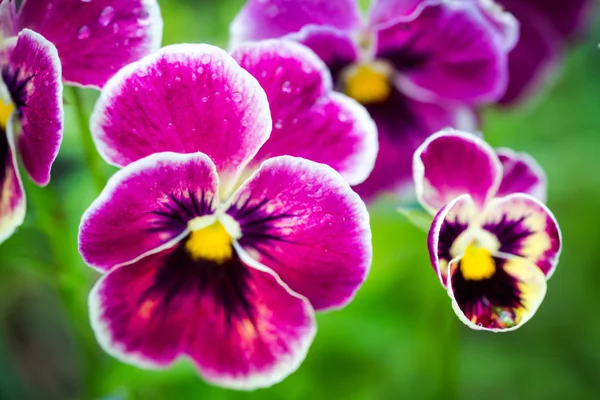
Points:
(115, 28)
(83, 32)
(177, 78)
(170, 125)
(204, 99)
(236, 96)
(278, 70)
(106, 16)
(214, 75)
(278, 124)
(86, 1)
(200, 70)
(286, 87)
(205, 59)
(225, 121)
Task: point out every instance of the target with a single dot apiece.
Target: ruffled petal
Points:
(309, 119)
(302, 220)
(98, 37)
(145, 206)
(336, 48)
(260, 19)
(451, 163)
(522, 174)
(383, 13)
(525, 227)
(448, 225)
(185, 99)
(12, 195)
(33, 79)
(403, 124)
(502, 302)
(449, 50)
(241, 326)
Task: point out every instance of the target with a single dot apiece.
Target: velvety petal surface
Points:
(147, 205)
(504, 301)
(448, 225)
(335, 47)
(448, 50)
(522, 174)
(33, 79)
(309, 119)
(185, 99)
(260, 19)
(525, 227)
(240, 326)
(403, 124)
(12, 196)
(302, 220)
(98, 37)
(451, 163)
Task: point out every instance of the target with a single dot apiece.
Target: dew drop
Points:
(170, 124)
(200, 70)
(83, 32)
(204, 99)
(225, 121)
(286, 87)
(214, 75)
(106, 16)
(278, 124)
(236, 96)
(115, 28)
(205, 59)
(177, 78)
(86, 1)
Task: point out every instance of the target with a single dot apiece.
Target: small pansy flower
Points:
(546, 27)
(492, 243)
(216, 244)
(416, 65)
(94, 39)
(31, 120)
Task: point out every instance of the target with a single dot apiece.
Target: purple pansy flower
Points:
(493, 243)
(417, 65)
(94, 39)
(31, 120)
(218, 239)
(545, 28)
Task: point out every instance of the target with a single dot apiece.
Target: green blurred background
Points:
(398, 339)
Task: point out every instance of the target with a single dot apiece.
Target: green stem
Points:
(449, 388)
(92, 158)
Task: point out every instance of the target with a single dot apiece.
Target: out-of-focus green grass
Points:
(395, 340)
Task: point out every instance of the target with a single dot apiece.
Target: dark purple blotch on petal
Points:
(510, 233)
(174, 213)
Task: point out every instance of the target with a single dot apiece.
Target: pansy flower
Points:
(31, 120)
(492, 243)
(216, 244)
(94, 39)
(416, 65)
(545, 28)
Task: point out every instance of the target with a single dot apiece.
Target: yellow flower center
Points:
(477, 263)
(6, 110)
(210, 243)
(368, 83)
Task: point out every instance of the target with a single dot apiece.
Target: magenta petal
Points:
(12, 196)
(448, 51)
(147, 205)
(8, 18)
(98, 37)
(260, 19)
(449, 223)
(522, 174)
(33, 79)
(384, 13)
(185, 99)
(403, 125)
(335, 47)
(302, 220)
(525, 227)
(451, 163)
(309, 119)
(241, 327)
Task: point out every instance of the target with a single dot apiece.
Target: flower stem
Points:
(92, 158)
(449, 387)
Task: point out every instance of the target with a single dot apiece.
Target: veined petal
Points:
(451, 163)
(240, 325)
(525, 227)
(449, 223)
(335, 47)
(449, 50)
(12, 195)
(309, 119)
(502, 302)
(259, 19)
(185, 99)
(147, 205)
(302, 220)
(522, 174)
(403, 124)
(99, 37)
(33, 79)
